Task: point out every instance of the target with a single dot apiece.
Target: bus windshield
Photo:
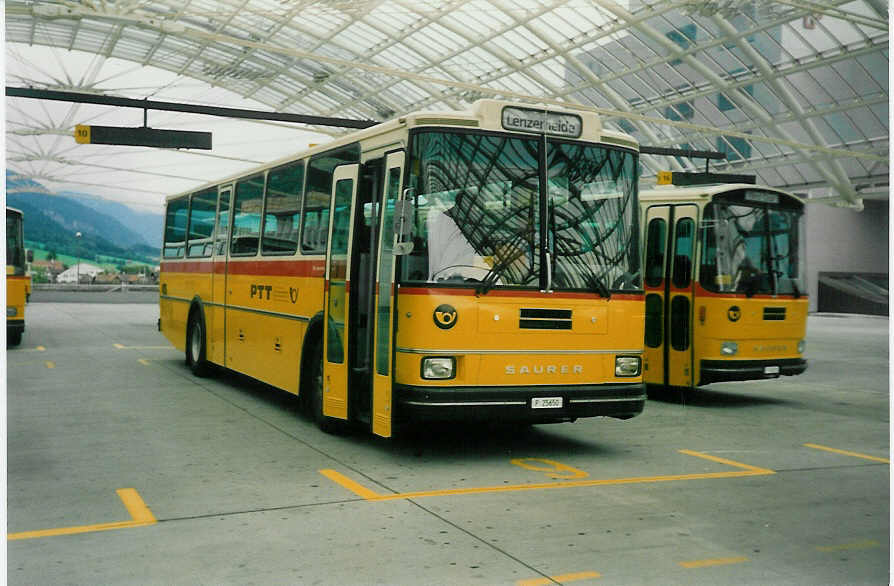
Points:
(753, 243)
(15, 243)
(479, 213)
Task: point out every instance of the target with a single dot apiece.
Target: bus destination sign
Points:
(538, 121)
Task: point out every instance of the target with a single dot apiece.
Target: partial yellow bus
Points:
(18, 282)
(453, 266)
(725, 284)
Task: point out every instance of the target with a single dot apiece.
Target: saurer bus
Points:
(724, 283)
(441, 266)
(18, 283)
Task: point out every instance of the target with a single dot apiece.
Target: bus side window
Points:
(315, 213)
(247, 215)
(202, 209)
(175, 227)
(683, 239)
(655, 246)
(284, 187)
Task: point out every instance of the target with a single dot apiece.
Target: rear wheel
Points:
(195, 346)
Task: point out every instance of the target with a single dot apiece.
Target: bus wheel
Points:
(324, 422)
(195, 346)
(13, 338)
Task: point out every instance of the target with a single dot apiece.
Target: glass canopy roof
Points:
(794, 92)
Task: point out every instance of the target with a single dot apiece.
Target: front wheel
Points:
(14, 338)
(195, 346)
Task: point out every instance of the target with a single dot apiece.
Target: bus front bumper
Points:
(512, 403)
(713, 371)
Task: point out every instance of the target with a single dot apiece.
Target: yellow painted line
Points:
(561, 579)
(122, 347)
(41, 349)
(714, 562)
(346, 482)
(866, 544)
(143, 361)
(846, 453)
(50, 364)
(370, 495)
(139, 513)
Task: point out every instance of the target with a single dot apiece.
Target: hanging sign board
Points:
(541, 122)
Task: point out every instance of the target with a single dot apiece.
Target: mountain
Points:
(54, 220)
(148, 225)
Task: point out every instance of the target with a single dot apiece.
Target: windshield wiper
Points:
(599, 286)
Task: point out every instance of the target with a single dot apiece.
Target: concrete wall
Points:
(845, 240)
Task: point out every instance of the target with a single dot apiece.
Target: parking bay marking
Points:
(715, 562)
(846, 453)
(123, 347)
(139, 513)
(562, 579)
(371, 495)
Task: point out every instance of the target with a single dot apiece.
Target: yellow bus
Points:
(477, 265)
(725, 283)
(18, 283)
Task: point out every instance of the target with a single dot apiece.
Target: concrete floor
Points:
(717, 487)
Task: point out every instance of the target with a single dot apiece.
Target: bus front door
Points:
(383, 320)
(337, 292)
(670, 249)
(216, 326)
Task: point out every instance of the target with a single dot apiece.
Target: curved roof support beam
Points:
(737, 96)
(836, 175)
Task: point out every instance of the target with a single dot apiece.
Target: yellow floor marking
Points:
(846, 453)
(866, 544)
(143, 361)
(370, 495)
(122, 347)
(714, 562)
(50, 364)
(562, 579)
(41, 349)
(139, 513)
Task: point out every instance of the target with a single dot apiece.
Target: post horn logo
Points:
(445, 316)
(734, 313)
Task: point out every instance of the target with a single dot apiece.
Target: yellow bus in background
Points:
(477, 265)
(725, 284)
(18, 282)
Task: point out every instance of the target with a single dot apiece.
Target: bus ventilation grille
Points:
(774, 313)
(545, 319)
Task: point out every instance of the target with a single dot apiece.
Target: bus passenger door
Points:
(337, 292)
(670, 246)
(215, 312)
(655, 245)
(383, 319)
(679, 296)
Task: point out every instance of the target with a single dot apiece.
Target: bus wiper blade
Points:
(491, 278)
(600, 287)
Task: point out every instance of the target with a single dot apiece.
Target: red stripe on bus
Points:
(702, 292)
(289, 268)
(516, 293)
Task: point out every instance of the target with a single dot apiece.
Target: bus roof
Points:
(696, 192)
(484, 114)
(15, 211)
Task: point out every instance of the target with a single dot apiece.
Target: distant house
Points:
(50, 267)
(85, 270)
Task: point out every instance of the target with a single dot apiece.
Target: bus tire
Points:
(196, 345)
(324, 422)
(14, 338)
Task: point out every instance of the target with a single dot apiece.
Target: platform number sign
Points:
(82, 134)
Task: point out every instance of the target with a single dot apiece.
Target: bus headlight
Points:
(802, 345)
(729, 348)
(627, 365)
(439, 368)
(11, 311)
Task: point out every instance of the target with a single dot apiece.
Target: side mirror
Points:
(29, 255)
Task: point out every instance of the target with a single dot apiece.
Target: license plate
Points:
(546, 402)
(771, 370)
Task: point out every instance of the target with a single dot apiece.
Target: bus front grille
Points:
(545, 319)
(774, 313)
